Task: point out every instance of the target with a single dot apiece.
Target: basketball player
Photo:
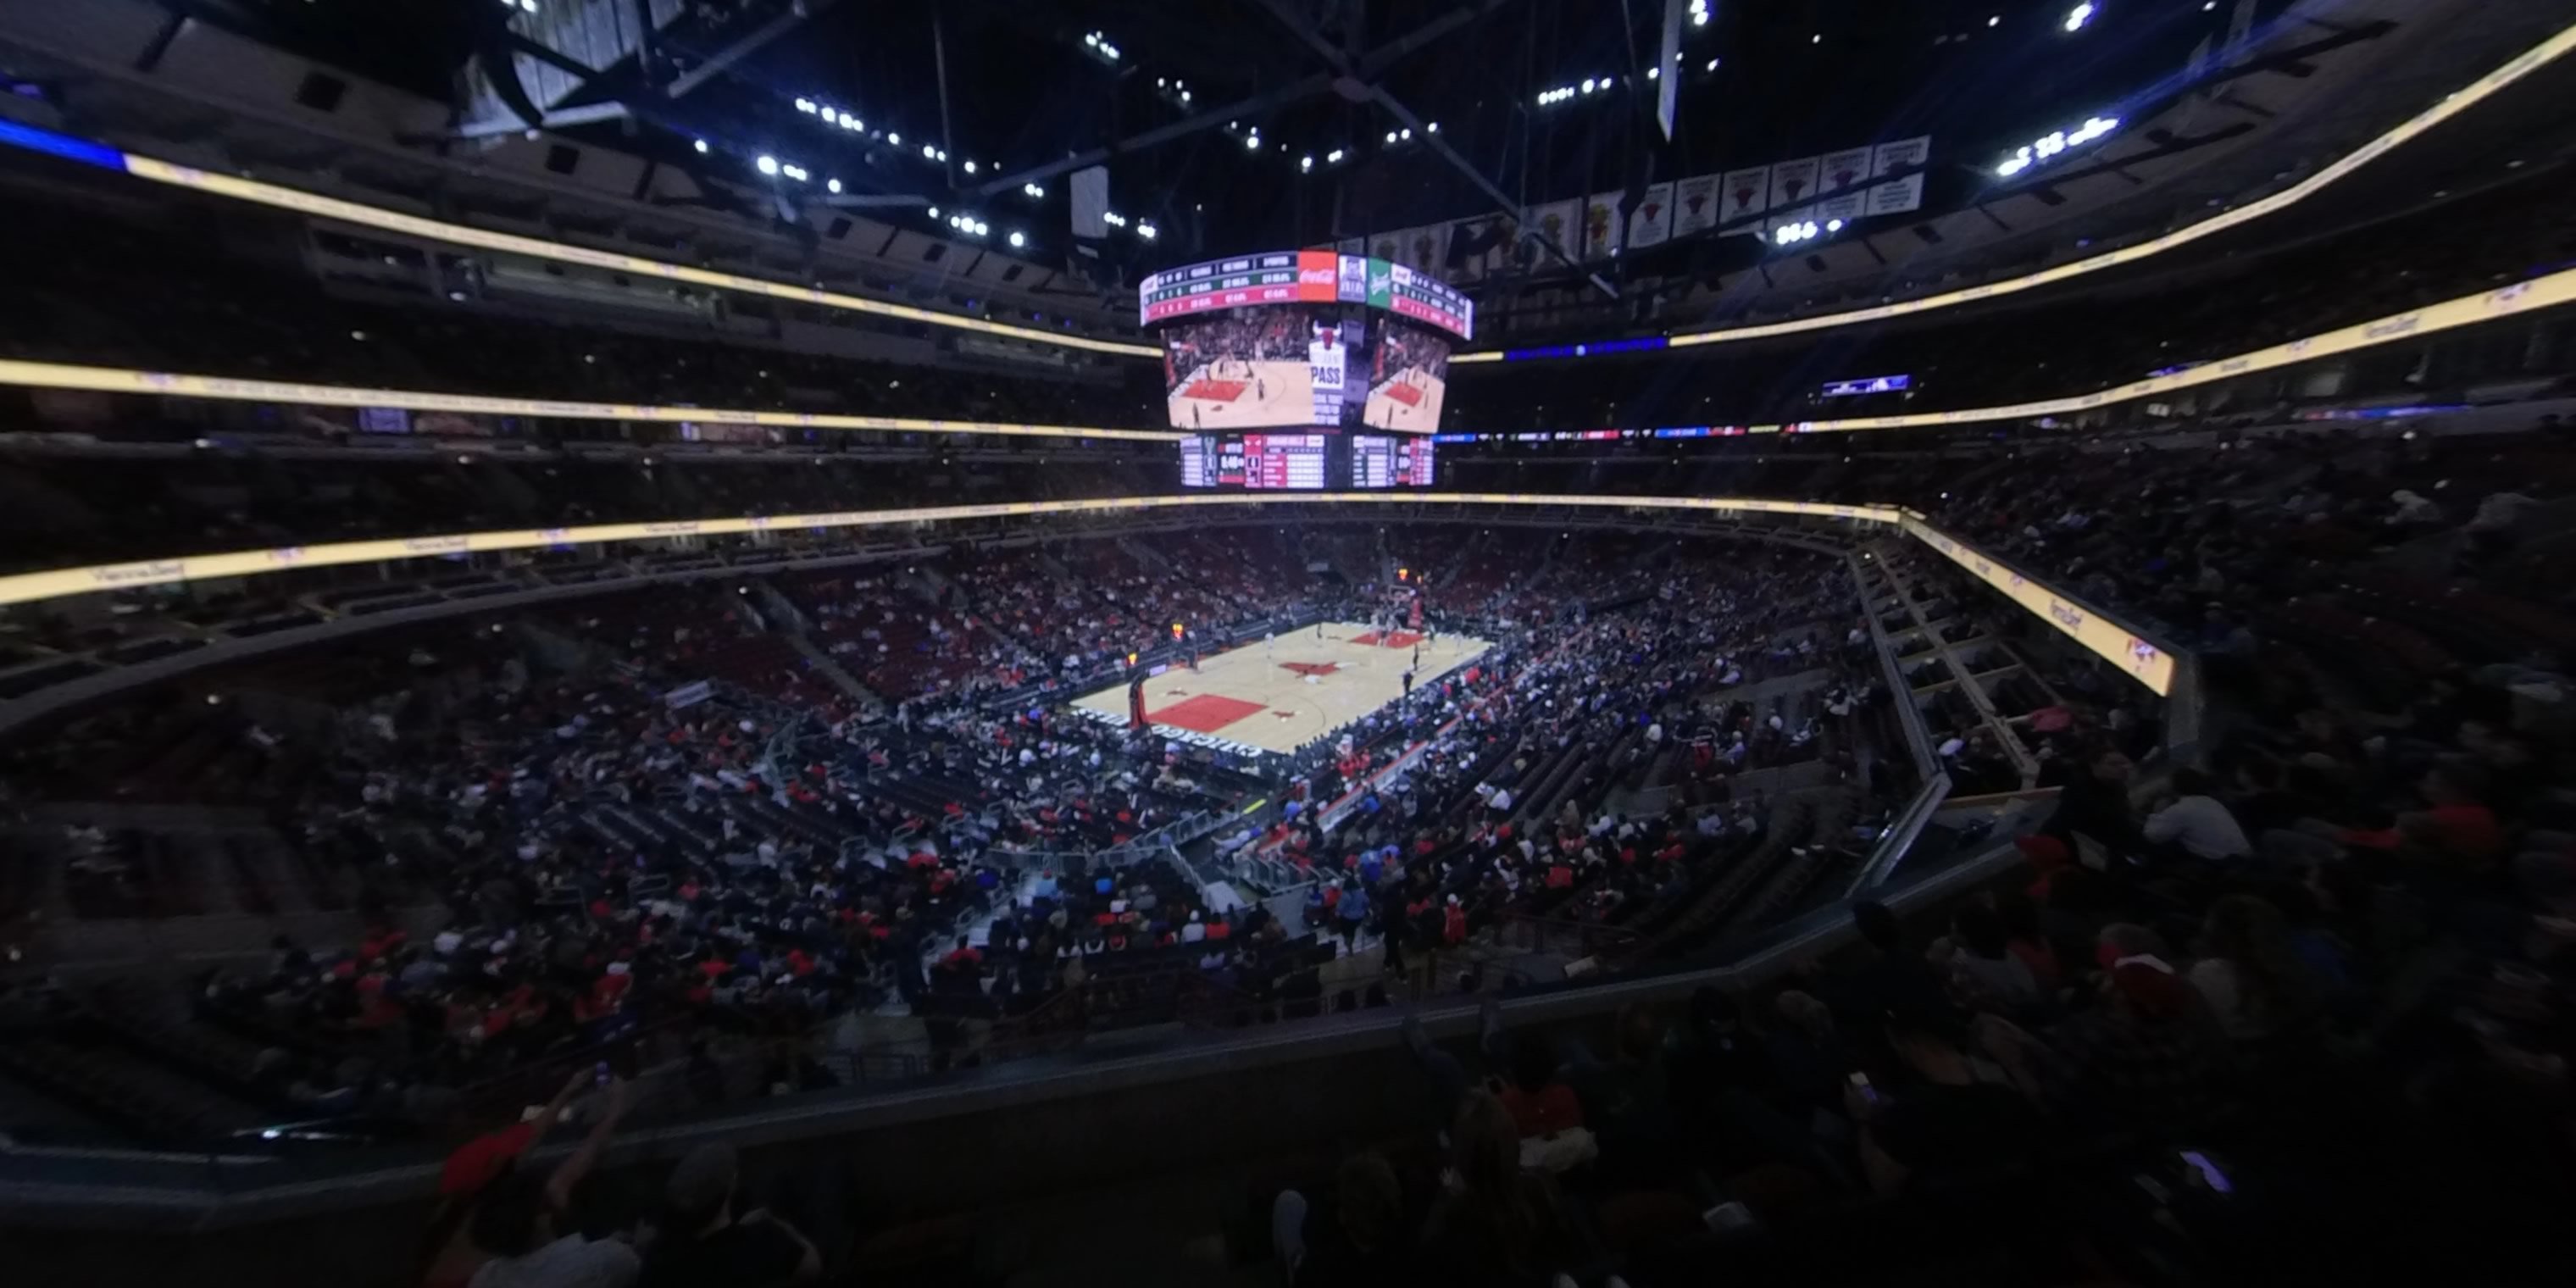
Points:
(1269, 645)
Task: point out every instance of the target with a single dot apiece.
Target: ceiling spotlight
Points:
(934, 212)
(1587, 84)
(1654, 73)
(1994, 20)
(895, 139)
(1145, 231)
(1333, 157)
(1091, 38)
(1252, 143)
(970, 167)
(701, 145)
(1390, 136)
(805, 105)
(1700, 19)
(1712, 66)
(1817, 39)
(1018, 240)
(1407, 132)
(1434, 127)
(1032, 190)
(767, 165)
(2081, 14)
(1833, 225)
(1185, 96)
(929, 153)
(832, 184)
(1305, 163)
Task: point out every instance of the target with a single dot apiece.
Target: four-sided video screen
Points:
(1313, 341)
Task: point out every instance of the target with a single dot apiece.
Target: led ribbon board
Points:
(2086, 627)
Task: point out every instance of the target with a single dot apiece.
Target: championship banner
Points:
(1897, 196)
(1601, 225)
(1747, 192)
(1426, 250)
(1844, 171)
(1695, 205)
(1352, 246)
(1793, 181)
(1845, 206)
(1652, 222)
(1385, 246)
(1560, 222)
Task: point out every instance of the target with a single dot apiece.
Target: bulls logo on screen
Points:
(2143, 655)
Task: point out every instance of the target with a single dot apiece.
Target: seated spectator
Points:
(1985, 975)
(1938, 1113)
(704, 1241)
(2195, 823)
(1494, 1223)
(2251, 976)
(520, 1224)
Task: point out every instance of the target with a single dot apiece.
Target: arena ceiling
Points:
(1024, 92)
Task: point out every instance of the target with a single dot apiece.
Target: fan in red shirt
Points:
(1539, 1104)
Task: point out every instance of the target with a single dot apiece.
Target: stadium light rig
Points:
(1147, 231)
(1792, 234)
(1699, 13)
(2080, 15)
(1033, 192)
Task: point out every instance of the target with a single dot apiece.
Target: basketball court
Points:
(1232, 394)
(1297, 688)
(1409, 400)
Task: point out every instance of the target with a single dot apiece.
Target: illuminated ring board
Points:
(394, 221)
(2148, 663)
(1304, 276)
(2503, 302)
(350, 212)
(2468, 310)
(2476, 92)
(56, 375)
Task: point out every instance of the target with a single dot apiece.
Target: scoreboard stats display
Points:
(1270, 462)
(1305, 462)
(1308, 277)
(1381, 462)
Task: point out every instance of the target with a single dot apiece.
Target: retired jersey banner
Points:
(1793, 181)
(1696, 202)
(1601, 225)
(1651, 224)
(1844, 171)
(1747, 192)
(1845, 206)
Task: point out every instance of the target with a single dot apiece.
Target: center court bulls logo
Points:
(1311, 668)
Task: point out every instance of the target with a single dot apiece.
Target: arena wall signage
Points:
(2104, 637)
(2469, 96)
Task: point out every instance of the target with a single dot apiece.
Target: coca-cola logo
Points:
(1314, 277)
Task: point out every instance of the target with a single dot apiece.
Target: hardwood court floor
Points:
(1258, 694)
